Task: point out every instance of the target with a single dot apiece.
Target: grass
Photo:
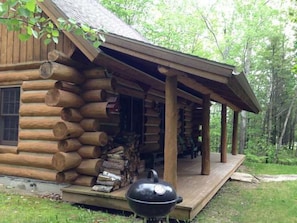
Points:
(236, 202)
(270, 168)
(16, 208)
(261, 203)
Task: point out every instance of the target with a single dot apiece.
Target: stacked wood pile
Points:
(121, 164)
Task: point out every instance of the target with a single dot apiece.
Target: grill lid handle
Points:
(155, 175)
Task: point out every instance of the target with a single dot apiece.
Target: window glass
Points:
(9, 116)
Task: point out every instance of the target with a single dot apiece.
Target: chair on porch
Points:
(188, 146)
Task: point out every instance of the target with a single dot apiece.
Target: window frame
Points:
(4, 115)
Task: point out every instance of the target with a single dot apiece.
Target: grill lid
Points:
(151, 190)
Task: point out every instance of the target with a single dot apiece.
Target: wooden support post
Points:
(170, 151)
(205, 169)
(235, 133)
(224, 134)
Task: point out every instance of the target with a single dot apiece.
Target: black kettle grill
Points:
(152, 198)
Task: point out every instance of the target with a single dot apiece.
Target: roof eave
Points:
(53, 12)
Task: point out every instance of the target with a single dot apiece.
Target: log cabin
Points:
(64, 105)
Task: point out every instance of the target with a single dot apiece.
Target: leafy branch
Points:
(27, 17)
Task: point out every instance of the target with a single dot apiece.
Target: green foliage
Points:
(26, 16)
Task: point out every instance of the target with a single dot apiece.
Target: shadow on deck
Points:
(196, 189)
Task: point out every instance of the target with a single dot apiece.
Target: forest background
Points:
(257, 36)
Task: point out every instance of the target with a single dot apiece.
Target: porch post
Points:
(170, 150)
(235, 133)
(224, 134)
(205, 168)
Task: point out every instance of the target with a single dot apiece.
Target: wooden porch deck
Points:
(197, 190)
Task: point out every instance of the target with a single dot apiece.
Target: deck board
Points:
(196, 189)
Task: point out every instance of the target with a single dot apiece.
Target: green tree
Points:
(27, 17)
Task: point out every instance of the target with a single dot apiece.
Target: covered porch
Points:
(196, 189)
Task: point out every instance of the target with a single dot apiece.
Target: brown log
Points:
(205, 164)
(90, 167)
(71, 115)
(94, 138)
(152, 120)
(27, 160)
(38, 146)
(38, 109)
(83, 180)
(19, 75)
(69, 145)
(170, 150)
(100, 83)
(149, 112)
(95, 73)
(33, 96)
(116, 150)
(131, 92)
(234, 149)
(224, 134)
(90, 125)
(20, 171)
(37, 134)
(8, 149)
(38, 85)
(113, 165)
(60, 57)
(89, 152)
(94, 110)
(152, 129)
(60, 98)
(110, 128)
(29, 122)
(151, 137)
(60, 72)
(66, 176)
(113, 171)
(66, 130)
(94, 95)
(64, 161)
(129, 84)
(65, 86)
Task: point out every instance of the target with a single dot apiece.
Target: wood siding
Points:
(13, 50)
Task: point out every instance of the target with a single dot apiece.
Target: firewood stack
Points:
(121, 164)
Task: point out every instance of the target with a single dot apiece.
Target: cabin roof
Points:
(128, 52)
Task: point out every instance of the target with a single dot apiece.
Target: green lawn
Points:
(28, 209)
(235, 202)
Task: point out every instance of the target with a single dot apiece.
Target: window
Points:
(131, 110)
(9, 115)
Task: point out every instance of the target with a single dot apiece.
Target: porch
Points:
(196, 189)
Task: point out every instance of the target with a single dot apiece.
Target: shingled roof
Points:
(91, 12)
(126, 50)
